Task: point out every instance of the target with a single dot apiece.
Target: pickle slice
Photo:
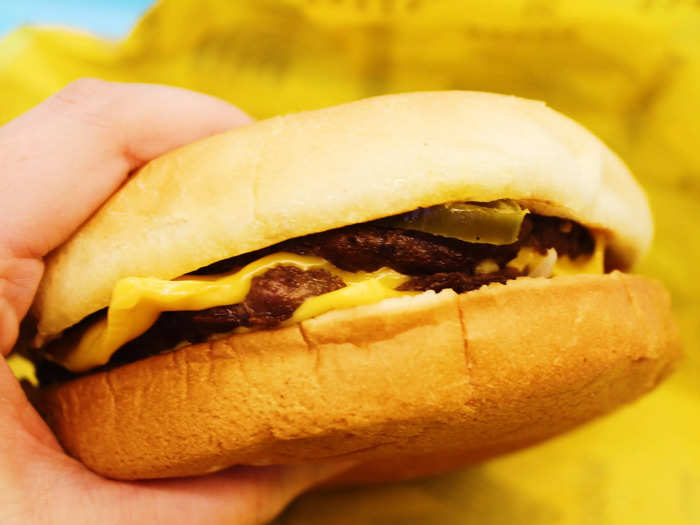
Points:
(497, 222)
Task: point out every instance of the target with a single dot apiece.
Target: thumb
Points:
(62, 159)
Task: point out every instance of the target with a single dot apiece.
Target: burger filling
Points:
(459, 246)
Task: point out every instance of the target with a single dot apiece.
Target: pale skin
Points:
(60, 162)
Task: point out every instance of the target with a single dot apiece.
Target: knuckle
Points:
(90, 100)
(78, 91)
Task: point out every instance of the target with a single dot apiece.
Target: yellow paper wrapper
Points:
(628, 70)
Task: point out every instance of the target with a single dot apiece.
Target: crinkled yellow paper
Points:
(628, 70)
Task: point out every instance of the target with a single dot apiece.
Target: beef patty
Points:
(435, 263)
(370, 246)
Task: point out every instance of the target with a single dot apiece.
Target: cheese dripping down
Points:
(137, 302)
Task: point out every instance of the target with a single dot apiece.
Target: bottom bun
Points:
(408, 386)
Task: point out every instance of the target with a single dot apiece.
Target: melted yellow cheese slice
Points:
(138, 301)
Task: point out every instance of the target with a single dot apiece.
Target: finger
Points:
(245, 495)
(19, 279)
(32, 462)
(63, 158)
(22, 431)
(9, 326)
(241, 495)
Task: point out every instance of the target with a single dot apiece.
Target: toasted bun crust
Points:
(313, 171)
(457, 377)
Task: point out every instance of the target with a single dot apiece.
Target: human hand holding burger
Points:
(61, 161)
(410, 283)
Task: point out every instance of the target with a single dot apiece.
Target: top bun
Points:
(312, 171)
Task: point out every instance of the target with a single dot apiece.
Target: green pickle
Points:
(497, 222)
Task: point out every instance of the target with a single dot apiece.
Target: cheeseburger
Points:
(415, 281)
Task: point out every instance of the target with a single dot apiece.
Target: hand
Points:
(60, 161)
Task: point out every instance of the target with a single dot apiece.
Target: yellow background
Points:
(628, 70)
